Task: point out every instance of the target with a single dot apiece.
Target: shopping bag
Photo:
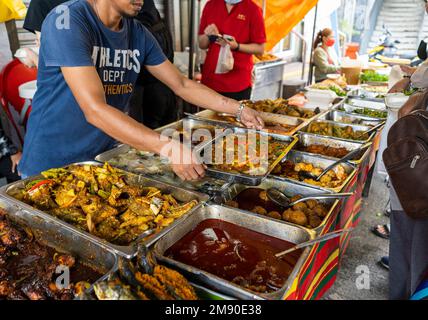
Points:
(12, 9)
(225, 60)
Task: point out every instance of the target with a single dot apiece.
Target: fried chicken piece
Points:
(263, 195)
(274, 215)
(311, 203)
(300, 206)
(314, 220)
(299, 217)
(175, 283)
(320, 211)
(259, 210)
(152, 286)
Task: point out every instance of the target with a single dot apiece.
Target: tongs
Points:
(348, 157)
(282, 200)
(199, 118)
(323, 238)
(372, 129)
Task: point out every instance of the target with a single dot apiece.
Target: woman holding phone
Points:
(239, 24)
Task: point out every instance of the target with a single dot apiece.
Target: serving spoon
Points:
(282, 200)
(349, 156)
(372, 129)
(327, 236)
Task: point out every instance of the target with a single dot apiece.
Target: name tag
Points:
(242, 17)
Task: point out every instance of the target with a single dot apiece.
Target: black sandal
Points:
(378, 233)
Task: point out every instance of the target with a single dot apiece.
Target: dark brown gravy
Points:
(236, 254)
(250, 198)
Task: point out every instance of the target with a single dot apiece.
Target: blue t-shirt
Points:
(72, 36)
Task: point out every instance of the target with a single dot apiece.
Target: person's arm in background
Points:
(202, 96)
(206, 29)
(321, 62)
(8, 149)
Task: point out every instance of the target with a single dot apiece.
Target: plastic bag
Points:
(12, 9)
(225, 60)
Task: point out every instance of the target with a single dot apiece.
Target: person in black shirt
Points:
(158, 101)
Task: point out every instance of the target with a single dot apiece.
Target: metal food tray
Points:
(291, 189)
(252, 180)
(350, 109)
(275, 229)
(298, 123)
(350, 118)
(205, 185)
(269, 114)
(130, 250)
(319, 162)
(307, 139)
(63, 239)
(365, 103)
(362, 93)
(356, 127)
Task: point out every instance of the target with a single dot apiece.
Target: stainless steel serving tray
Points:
(319, 162)
(165, 173)
(298, 123)
(275, 229)
(307, 139)
(291, 189)
(355, 127)
(350, 109)
(207, 185)
(366, 103)
(125, 251)
(55, 235)
(349, 118)
(252, 180)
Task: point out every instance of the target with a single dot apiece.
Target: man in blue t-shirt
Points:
(90, 56)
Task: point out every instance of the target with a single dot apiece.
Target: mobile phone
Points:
(214, 37)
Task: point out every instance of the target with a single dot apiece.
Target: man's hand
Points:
(230, 41)
(184, 163)
(408, 70)
(409, 106)
(15, 159)
(400, 86)
(252, 119)
(211, 30)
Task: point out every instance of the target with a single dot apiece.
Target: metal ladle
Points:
(282, 200)
(327, 236)
(349, 156)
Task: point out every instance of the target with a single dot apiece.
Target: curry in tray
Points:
(342, 132)
(99, 200)
(281, 106)
(246, 154)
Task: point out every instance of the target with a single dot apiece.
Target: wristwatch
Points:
(239, 112)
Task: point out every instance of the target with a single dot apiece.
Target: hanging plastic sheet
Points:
(281, 16)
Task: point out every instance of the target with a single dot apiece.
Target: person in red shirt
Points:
(242, 20)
